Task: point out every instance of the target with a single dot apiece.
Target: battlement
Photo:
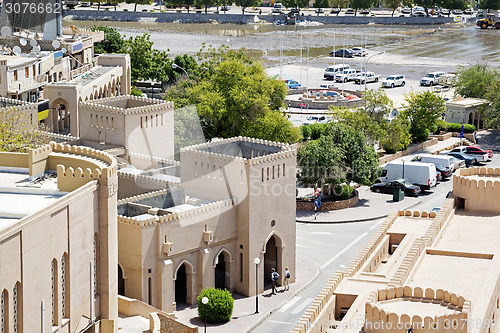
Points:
(479, 188)
(22, 106)
(379, 304)
(146, 179)
(59, 138)
(154, 159)
(89, 152)
(127, 105)
(243, 150)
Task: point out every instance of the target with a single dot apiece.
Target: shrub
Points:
(306, 132)
(125, 10)
(343, 192)
(219, 307)
(455, 127)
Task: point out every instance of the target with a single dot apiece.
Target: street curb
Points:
(270, 312)
(356, 220)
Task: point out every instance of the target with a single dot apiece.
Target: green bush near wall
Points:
(219, 307)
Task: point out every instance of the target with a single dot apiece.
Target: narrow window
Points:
(284, 175)
(195, 171)
(107, 122)
(262, 174)
(27, 72)
(267, 173)
(156, 120)
(15, 75)
(54, 293)
(201, 170)
(95, 265)
(241, 267)
(241, 176)
(91, 120)
(151, 120)
(150, 294)
(162, 119)
(102, 121)
(273, 171)
(141, 122)
(278, 171)
(14, 308)
(34, 70)
(112, 123)
(220, 173)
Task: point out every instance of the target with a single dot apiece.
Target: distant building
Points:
(422, 272)
(466, 111)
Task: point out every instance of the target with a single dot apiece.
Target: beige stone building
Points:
(207, 231)
(466, 111)
(58, 239)
(423, 272)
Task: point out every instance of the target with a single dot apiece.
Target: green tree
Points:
(113, 42)
(295, 3)
(360, 4)
(423, 111)
(491, 113)
(273, 126)
(341, 156)
(320, 4)
(398, 135)
(393, 4)
(339, 4)
(489, 4)
(17, 133)
(140, 49)
(141, 2)
(474, 81)
(245, 4)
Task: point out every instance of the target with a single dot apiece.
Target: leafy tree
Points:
(273, 126)
(17, 133)
(205, 3)
(219, 307)
(489, 4)
(141, 2)
(245, 4)
(320, 4)
(140, 49)
(422, 112)
(393, 4)
(491, 113)
(475, 80)
(113, 42)
(134, 91)
(378, 105)
(341, 156)
(360, 4)
(339, 4)
(398, 135)
(295, 3)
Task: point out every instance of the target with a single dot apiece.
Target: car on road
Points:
(469, 11)
(86, 4)
(295, 10)
(367, 77)
(364, 12)
(332, 71)
(319, 10)
(478, 150)
(469, 161)
(292, 84)
(393, 81)
(431, 79)
(350, 11)
(346, 75)
(445, 172)
(445, 11)
(406, 10)
(359, 51)
(477, 153)
(457, 12)
(314, 119)
(388, 187)
(344, 53)
(278, 7)
(419, 14)
(335, 11)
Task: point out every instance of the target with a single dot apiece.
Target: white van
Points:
(443, 161)
(334, 70)
(421, 174)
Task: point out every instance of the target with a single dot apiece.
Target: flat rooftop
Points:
(244, 149)
(20, 197)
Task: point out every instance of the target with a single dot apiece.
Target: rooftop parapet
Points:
(244, 150)
(478, 188)
(147, 179)
(453, 310)
(127, 105)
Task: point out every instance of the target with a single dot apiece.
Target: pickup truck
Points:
(368, 77)
(346, 75)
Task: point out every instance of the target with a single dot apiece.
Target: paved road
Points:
(332, 245)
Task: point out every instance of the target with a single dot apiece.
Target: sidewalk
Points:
(244, 317)
(371, 206)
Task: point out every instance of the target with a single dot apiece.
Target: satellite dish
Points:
(16, 50)
(64, 50)
(36, 49)
(6, 31)
(56, 44)
(33, 43)
(23, 41)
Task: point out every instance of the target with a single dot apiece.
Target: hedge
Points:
(454, 127)
(219, 307)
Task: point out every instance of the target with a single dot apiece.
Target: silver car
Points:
(393, 81)
(431, 79)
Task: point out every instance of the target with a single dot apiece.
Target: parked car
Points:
(314, 120)
(86, 4)
(335, 11)
(278, 7)
(469, 161)
(319, 10)
(477, 150)
(445, 11)
(364, 12)
(332, 71)
(292, 84)
(406, 10)
(366, 77)
(457, 163)
(479, 154)
(419, 14)
(350, 11)
(359, 51)
(418, 173)
(393, 81)
(388, 187)
(469, 11)
(437, 160)
(344, 53)
(431, 79)
(457, 12)
(346, 75)
(295, 10)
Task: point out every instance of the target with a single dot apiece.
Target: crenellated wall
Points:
(127, 105)
(379, 320)
(479, 188)
(130, 184)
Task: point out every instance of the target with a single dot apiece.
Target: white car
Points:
(367, 77)
(431, 79)
(393, 81)
(346, 75)
(360, 51)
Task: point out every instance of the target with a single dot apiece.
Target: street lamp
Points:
(257, 262)
(366, 69)
(175, 66)
(204, 300)
(403, 160)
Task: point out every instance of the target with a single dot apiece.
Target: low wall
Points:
(410, 150)
(441, 136)
(326, 206)
(14, 160)
(159, 323)
(111, 15)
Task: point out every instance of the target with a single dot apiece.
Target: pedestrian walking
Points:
(475, 138)
(260, 12)
(274, 279)
(287, 277)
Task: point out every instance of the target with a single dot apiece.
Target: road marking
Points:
(320, 233)
(289, 304)
(281, 322)
(344, 250)
(302, 305)
(376, 224)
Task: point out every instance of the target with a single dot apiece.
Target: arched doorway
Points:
(220, 272)
(272, 259)
(121, 282)
(181, 285)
